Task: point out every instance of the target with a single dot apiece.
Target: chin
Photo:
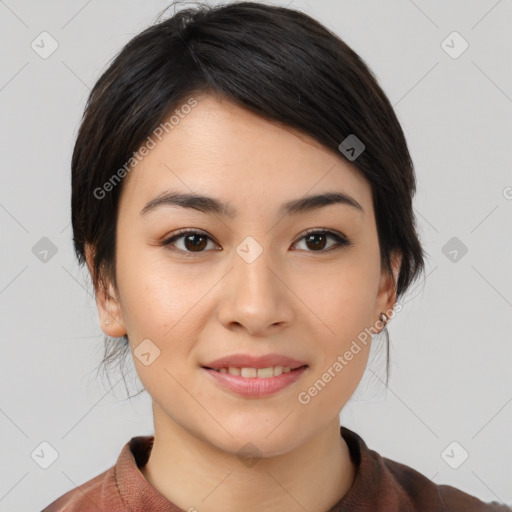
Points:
(258, 439)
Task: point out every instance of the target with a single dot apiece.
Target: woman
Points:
(242, 196)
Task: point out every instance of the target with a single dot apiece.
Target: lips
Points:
(255, 386)
(257, 362)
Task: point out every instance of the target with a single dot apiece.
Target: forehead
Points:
(230, 152)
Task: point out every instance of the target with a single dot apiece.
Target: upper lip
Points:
(248, 361)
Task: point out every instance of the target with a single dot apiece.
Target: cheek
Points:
(155, 294)
(162, 303)
(342, 298)
(341, 306)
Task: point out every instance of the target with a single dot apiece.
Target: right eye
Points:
(192, 241)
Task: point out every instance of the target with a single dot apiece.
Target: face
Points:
(251, 278)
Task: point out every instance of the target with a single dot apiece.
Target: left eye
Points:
(196, 241)
(317, 240)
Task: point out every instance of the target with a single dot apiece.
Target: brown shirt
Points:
(380, 485)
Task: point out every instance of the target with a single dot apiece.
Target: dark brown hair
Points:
(276, 62)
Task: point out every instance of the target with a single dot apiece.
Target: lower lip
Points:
(255, 386)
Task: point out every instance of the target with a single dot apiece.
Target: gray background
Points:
(451, 346)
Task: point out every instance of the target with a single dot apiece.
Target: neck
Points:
(195, 475)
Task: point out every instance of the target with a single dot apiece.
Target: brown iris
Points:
(192, 244)
(317, 245)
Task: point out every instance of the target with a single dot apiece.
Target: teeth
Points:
(262, 373)
(248, 372)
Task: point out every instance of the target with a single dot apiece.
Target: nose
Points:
(256, 297)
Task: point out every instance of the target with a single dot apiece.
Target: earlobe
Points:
(396, 263)
(387, 290)
(107, 302)
(111, 318)
(395, 267)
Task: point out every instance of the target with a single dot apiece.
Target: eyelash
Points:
(341, 240)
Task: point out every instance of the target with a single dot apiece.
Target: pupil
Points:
(310, 237)
(197, 245)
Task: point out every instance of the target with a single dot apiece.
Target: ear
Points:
(386, 297)
(109, 309)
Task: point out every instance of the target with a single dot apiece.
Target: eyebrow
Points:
(207, 204)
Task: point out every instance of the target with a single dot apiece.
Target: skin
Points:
(298, 299)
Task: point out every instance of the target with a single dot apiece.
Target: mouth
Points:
(257, 373)
(253, 383)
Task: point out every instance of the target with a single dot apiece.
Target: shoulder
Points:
(422, 492)
(117, 488)
(383, 484)
(91, 495)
